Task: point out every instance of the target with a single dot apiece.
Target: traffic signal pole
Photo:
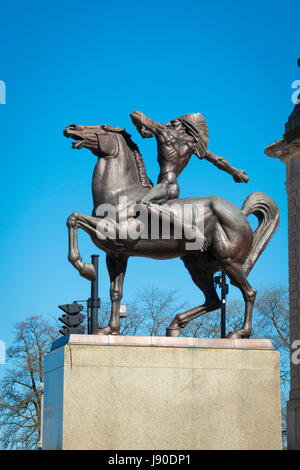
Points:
(94, 301)
(224, 291)
(221, 282)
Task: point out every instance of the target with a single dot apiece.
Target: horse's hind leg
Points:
(204, 280)
(238, 278)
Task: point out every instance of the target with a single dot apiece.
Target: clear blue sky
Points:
(93, 63)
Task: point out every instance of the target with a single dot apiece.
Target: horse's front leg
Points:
(116, 266)
(88, 224)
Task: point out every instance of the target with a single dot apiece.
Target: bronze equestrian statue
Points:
(227, 240)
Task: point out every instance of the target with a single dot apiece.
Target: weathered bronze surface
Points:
(227, 240)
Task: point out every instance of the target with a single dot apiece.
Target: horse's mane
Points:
(140, 166)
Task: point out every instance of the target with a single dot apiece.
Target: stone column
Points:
(287, 150)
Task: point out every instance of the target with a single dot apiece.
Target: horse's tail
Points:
(267, 212)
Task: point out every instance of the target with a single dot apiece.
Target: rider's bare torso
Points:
(174, 150)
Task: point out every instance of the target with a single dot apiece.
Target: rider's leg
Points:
(166, 189)
(158, 193)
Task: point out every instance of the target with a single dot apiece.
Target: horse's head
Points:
(100, 140)
(105, 140)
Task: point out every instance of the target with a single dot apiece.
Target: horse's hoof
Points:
(231, 335)
(173, 332)
(106, 331)
(88, 271)
(240, 334)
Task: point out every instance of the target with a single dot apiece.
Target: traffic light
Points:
(72, 319)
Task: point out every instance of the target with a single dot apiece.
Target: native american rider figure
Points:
(176, 142)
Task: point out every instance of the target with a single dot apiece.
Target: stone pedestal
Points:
(158, 393)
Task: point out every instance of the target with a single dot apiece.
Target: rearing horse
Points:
(230, 243)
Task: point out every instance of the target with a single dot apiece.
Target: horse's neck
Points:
(114, 174)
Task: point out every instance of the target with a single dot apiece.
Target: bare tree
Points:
(150, 313)
(20, 397)
(272, 307)
(209, 324)
(158, 309)
(130, 325)
(272, 310)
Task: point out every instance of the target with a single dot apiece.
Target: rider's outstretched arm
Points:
(239, 176)
(140, 120)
